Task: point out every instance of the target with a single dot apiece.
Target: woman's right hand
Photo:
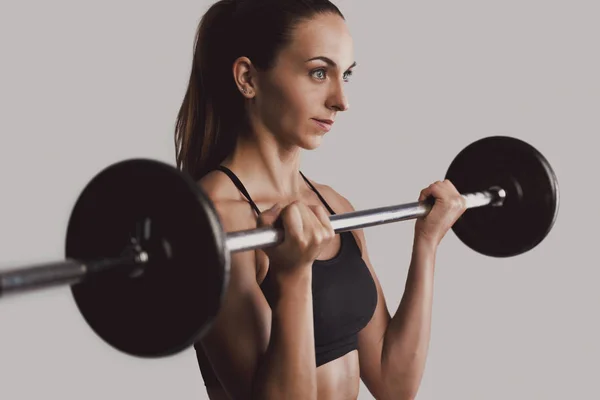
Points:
(307, 231)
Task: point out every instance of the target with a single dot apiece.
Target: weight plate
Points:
(167, 304)
(532, 196)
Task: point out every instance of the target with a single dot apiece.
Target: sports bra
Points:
(344, 296)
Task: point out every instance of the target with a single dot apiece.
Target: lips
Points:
(324, 124)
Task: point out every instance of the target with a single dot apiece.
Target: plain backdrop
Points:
(84, 84)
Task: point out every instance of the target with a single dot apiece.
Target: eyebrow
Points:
(329, 61)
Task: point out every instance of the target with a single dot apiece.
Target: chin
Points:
(309, 139)
(311, 142)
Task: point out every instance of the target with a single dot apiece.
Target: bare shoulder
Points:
(336, 200)
(341, 204)
(234, 211)
(219, 188)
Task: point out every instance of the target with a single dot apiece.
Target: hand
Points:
(449, 206)
(307, 231)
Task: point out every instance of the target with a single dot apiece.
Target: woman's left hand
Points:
(449, 206)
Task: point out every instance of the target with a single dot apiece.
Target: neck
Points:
(267, 165)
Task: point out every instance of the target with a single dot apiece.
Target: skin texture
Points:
(263, 352)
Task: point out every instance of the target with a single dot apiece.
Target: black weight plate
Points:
(532, 196)
(171, 304)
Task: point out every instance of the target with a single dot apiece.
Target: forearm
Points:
(288, 368)
(406, 340)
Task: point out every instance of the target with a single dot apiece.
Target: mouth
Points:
(324, 124)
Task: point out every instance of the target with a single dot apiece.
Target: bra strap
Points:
(318, 194)
(236, 181)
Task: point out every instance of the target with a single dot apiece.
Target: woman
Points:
(306, 319)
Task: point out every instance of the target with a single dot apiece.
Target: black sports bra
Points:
(344, 297)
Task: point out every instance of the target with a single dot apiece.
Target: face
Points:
(300, 97)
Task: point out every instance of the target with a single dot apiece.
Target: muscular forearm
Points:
(288, 369)
(406, 339)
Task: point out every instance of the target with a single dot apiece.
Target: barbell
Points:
(148, 261)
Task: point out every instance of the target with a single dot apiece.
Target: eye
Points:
(319, 74)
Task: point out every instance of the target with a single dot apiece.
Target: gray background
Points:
(86, 84)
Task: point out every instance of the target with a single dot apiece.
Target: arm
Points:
(256, 351)
(288, 368)
(393, 351)
(406, 338)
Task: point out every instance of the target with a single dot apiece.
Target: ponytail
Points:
(206, 130)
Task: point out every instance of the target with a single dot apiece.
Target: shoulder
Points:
(337, 201)
(233, 209)
(218, 186)
(341, 205)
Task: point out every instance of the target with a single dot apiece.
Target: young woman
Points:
(306, 319)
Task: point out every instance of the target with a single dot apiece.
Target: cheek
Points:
(290, 107)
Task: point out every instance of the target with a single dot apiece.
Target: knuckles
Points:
(458, 204)
(446, 195)
(330, 234)
(319, 209)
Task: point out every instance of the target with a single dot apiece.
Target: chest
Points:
(344, 294)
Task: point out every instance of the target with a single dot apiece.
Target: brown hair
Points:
(212, 113)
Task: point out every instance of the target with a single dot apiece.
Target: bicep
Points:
(241, 330)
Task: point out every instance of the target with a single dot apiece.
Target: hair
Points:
(213, 114)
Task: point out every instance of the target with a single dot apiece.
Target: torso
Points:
(338, 379)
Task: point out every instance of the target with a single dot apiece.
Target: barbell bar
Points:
(72, 271)
(148, 261)
(263, 237)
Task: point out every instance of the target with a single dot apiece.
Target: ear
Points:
(245, 77)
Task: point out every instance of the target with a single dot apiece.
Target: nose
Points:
(337, 100)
